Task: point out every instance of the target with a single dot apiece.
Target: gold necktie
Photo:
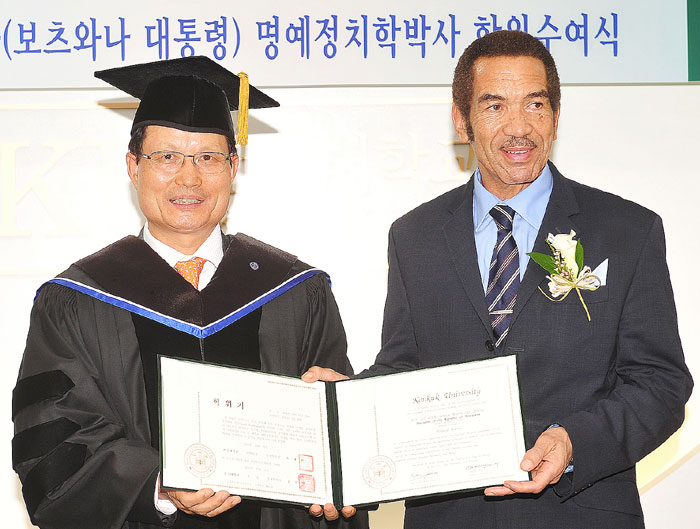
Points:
(191, 269)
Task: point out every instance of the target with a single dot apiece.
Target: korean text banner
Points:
(342, 43)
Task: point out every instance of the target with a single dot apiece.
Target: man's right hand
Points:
(324, 374)
(330, 512)
(203, 502)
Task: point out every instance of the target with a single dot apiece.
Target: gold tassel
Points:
(243, 95)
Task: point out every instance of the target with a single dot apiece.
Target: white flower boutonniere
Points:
(565, 267)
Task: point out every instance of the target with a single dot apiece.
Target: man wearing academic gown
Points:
(85, 405)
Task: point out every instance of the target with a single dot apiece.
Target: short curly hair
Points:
(499, 44)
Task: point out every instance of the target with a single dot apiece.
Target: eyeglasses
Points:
(170, 162)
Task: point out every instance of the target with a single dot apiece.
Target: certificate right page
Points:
(430, 431)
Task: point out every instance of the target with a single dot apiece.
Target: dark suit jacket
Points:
(618, 383)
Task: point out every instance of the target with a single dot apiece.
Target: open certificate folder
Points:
(355, 442)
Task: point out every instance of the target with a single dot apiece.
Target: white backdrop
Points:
(324, 176)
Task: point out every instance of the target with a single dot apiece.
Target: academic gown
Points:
(85, 405)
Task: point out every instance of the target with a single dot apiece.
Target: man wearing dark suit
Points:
(597, 395)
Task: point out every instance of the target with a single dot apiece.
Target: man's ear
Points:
(460, 124)
(132, 167)
(235, 161)
(556, 122)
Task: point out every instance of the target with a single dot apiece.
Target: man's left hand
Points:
(546, 461)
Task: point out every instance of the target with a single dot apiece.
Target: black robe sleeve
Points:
(82, 460)
(302, 328)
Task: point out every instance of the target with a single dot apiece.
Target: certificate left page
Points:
(250, 433)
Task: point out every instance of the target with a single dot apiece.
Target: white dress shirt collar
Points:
(211, 250)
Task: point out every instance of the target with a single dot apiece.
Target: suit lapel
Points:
(557, 219)
(459, 232)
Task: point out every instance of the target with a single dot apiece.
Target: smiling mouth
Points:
(185, 201)
(518, 146)
(511, 151)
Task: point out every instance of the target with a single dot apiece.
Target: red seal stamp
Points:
(307, 483)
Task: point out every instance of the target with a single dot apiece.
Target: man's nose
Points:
(188, 175)
(518, 123)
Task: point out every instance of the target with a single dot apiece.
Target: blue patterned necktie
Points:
(504, 274)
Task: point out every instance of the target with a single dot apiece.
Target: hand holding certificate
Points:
(203, 502)
(354, 442)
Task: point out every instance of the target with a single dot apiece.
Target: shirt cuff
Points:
(163, 505)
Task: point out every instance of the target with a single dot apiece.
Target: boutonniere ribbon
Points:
(566, 269)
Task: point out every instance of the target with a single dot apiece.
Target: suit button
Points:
(489, 345)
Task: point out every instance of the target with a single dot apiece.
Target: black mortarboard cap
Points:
(194, 94)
